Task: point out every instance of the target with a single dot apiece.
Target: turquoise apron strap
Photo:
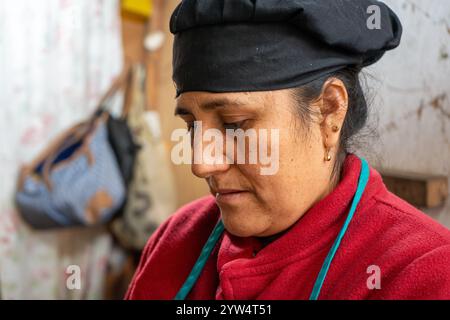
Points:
(363, 178)
(218, 230)
(201, 261)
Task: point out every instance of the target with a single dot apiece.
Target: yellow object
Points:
(140, 7)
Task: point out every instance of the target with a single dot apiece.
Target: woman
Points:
(323, 226)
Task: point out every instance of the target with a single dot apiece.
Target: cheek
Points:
(269, 191)
(281, 187)
(286, 192)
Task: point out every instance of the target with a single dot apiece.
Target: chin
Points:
(241, 225)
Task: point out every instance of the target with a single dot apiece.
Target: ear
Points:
(333, 108)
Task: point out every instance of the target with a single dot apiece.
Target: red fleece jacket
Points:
(411, 251)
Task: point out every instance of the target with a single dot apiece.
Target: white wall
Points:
(412, 95)
(56, 60)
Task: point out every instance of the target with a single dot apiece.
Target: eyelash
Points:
(233, 125)
(230, 125)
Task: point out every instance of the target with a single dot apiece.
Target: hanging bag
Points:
(77, 180)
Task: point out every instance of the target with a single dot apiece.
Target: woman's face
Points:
(252, 203)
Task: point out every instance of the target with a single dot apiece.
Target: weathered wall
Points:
(412, 94)
(56, 60)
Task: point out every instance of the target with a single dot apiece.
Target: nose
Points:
(205, 170)
(209, 157)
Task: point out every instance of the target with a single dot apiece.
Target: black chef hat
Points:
(259, 45)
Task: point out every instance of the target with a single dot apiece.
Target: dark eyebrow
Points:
(181, 111)
(220, 103)
(213, 104)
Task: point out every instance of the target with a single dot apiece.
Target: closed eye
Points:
(233, 125)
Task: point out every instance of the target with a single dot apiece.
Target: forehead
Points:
(204, 98)
(213, 101)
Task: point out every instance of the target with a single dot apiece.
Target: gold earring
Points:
(328, 156)
(335, 128)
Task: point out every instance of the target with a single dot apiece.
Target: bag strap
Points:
(141, 84)
(118, 83)
(135, 97)
(129, 94)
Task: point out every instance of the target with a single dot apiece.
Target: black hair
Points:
(357, 112)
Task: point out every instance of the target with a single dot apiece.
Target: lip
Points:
(230, 196)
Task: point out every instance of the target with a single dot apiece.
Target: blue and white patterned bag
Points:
(75, 182)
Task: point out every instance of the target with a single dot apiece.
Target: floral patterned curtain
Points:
(56, 59)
